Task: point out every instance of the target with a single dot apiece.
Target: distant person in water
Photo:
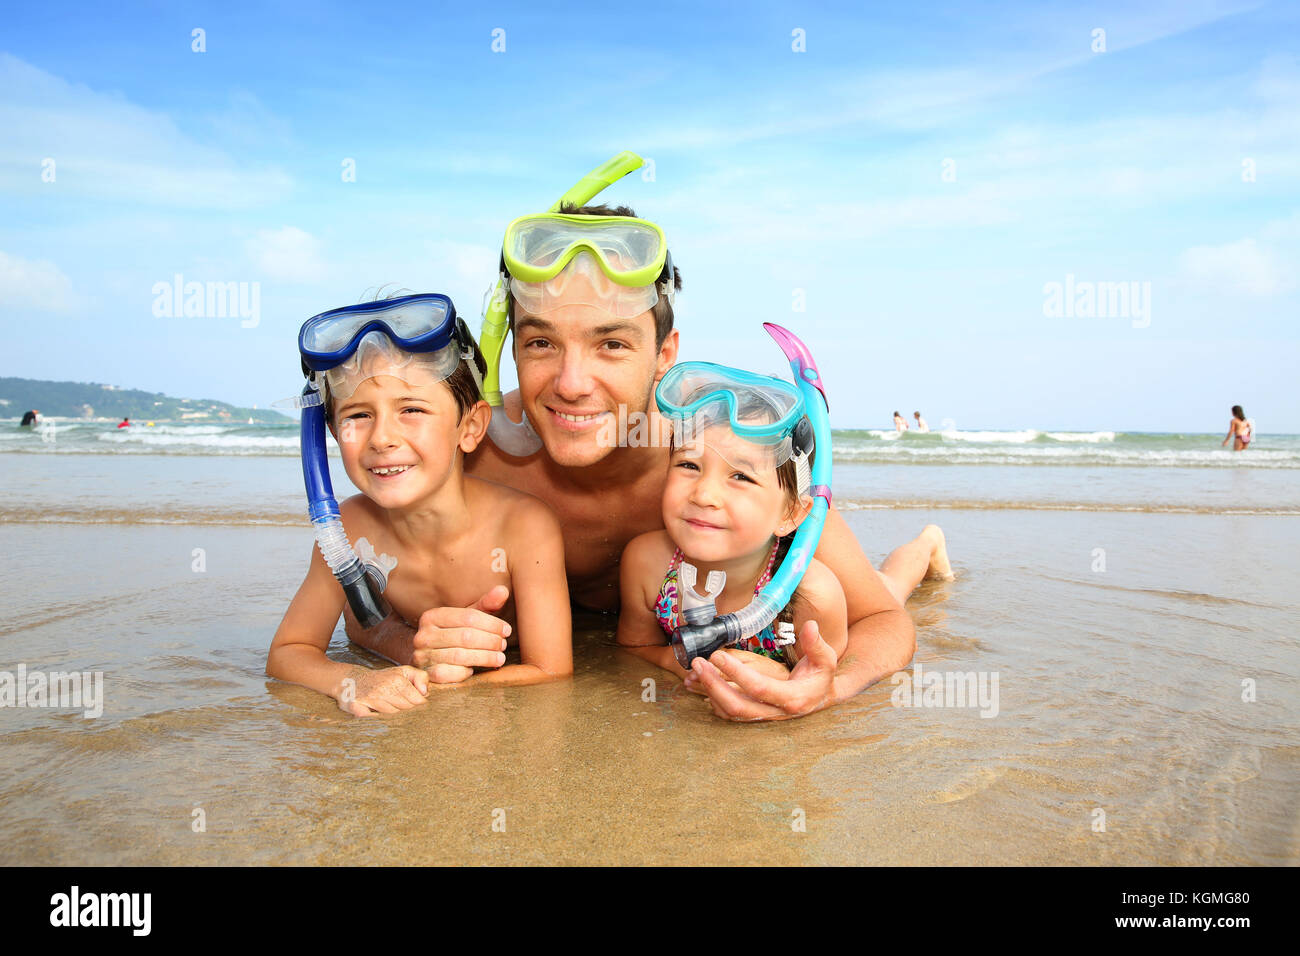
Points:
(1240, 430)
(124, 423)
(30, 419)
(921, 426)
(900, 423)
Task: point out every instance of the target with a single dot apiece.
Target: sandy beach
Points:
(1119, 733)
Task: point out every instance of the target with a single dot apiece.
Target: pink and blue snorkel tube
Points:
(690, 641)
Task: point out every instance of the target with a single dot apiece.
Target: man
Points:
(580, 360)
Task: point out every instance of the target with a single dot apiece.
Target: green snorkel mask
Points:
(619, 264)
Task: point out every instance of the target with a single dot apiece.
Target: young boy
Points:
(404, 421)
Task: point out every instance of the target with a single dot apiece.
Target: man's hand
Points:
(809, 688)
(451, 641)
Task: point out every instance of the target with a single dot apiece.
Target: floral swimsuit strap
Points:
(668, 604)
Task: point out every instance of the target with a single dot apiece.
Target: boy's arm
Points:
(535, 556)
(881, 640)
(638, 631)
(297, 653)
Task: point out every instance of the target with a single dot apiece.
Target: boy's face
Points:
(722, 501)
(576, 366)
(399, 442)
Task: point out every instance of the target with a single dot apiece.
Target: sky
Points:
(930, 195)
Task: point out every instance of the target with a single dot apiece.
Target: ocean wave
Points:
(159, 437)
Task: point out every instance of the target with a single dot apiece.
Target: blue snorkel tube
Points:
(420, 324)
(363, 583)
(690, 641)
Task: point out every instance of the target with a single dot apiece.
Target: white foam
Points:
(1081, 436)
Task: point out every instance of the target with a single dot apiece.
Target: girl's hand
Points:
(366, 692)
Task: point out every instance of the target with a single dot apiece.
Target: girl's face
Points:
(722, 500)
(399, 441)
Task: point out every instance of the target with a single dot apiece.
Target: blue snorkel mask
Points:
(776, 422)
(417, 338)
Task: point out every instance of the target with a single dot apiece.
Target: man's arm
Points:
(882, 638)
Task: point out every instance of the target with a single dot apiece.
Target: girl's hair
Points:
(787, 476)
(896, 415)
(1238, 413)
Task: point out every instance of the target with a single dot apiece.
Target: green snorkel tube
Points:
(518, 438)
(700, 638)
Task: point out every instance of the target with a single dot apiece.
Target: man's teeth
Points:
(579, 418)
(394, 470)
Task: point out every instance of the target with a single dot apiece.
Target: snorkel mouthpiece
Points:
(690, 640)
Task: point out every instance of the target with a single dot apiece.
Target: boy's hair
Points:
(461, 381)
(663, 309)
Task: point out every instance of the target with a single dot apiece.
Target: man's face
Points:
(577, 365)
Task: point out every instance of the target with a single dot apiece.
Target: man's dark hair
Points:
(663, 309)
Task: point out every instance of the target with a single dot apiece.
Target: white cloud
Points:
(287, 254)
(34, 284)
(1243, 266)
(106, 147)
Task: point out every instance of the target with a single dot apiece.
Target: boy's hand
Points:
(366, 692)
(452, 641)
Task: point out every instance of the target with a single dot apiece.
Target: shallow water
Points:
(1119, 690)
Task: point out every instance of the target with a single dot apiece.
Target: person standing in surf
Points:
(1241, 430)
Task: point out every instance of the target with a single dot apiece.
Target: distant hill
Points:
(92, 400)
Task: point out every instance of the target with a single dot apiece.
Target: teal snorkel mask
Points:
(417, 338)
(774, 420)
(619, 264)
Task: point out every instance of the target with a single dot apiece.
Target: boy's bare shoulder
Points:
(360, 514)
(514, 510)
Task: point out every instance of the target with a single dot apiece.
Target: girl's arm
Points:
(297, 652)
(638, 631)
(823, 601)
(535, 556)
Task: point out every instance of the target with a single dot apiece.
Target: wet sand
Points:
(1119, 690)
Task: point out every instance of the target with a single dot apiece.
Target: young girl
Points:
(731, 504)
(404, 416)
